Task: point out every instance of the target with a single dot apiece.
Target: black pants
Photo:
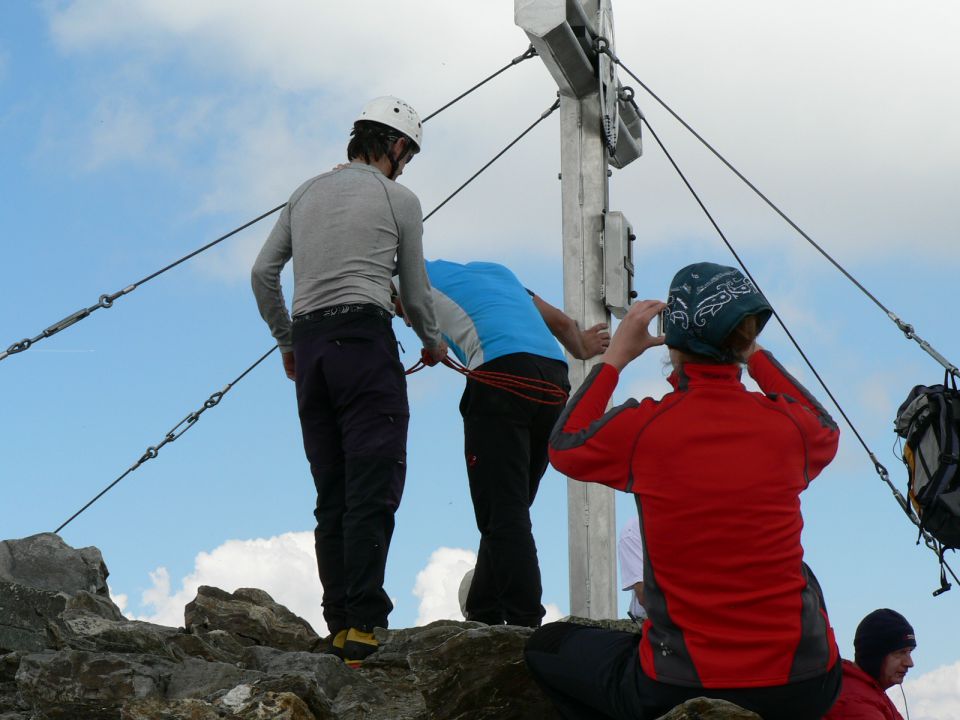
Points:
(352, 400)
(505, 445)
(592, 673)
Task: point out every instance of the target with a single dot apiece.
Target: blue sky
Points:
(133, 132)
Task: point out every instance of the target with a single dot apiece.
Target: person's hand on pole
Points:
(595, 340)
(431, 356)
(632, 337)
(288, 366)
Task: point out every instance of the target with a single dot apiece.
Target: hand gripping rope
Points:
(547, 393)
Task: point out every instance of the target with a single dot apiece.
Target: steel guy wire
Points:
(530, 52)
(929, 541)
(190, 420)
(601, 45)
(107, 300)
(543, 116)
(173, 434)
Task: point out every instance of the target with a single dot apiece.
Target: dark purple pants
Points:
(352, 400)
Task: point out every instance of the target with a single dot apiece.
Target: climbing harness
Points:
(546, 393)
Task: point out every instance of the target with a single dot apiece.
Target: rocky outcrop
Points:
(66, 652)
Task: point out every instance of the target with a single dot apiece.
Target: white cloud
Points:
(553, 613)
(120, 599)
(121, 130)
(932, 696)
(284, 566)
(813, 129)
(438, 584)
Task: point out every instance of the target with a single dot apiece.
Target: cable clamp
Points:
(19, 347)
(530, 52)
(213, 400)
(549, 111)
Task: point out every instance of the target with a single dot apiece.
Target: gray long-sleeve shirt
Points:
(348, 232)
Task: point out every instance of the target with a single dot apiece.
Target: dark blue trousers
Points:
(352, 401)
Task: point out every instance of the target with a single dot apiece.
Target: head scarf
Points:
(706, 302)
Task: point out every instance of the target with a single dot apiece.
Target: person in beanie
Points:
(716, 472)
(348, 232)
(882, 646)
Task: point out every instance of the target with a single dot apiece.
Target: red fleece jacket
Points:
(717, 473)
(861, 698)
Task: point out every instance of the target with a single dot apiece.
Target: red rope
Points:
(519, 386)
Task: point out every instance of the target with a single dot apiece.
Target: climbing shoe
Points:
(358, 647)
(333, 644)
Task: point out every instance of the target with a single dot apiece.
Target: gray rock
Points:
(707, 709)
(81, 630)
(46, 562)
(195, 678)
(25, 615)
(479, 674)
(95, 605)
(250, 615)
(271, 691)
(66, 653)
(154, 709)
(72, 684)
(216, 646)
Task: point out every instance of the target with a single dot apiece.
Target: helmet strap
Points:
(394, 161)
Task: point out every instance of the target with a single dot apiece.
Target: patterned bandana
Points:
(706, 302)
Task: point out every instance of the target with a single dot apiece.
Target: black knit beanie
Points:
(880, 633)
(707, 301)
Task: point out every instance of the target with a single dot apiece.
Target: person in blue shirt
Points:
(491, 322)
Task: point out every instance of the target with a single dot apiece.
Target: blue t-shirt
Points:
(484, 312)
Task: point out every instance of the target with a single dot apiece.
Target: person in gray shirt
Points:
(348, 231)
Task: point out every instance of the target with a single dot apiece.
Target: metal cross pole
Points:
(595, 131)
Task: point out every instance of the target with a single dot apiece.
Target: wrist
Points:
(616, 359)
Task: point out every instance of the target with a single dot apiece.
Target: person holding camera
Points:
(733, 611)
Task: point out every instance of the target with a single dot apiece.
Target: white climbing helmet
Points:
(394, 113)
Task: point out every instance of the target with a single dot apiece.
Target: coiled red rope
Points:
(548, 393)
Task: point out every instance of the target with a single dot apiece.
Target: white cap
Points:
(394, 113)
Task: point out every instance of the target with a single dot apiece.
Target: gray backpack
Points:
(929, 423)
